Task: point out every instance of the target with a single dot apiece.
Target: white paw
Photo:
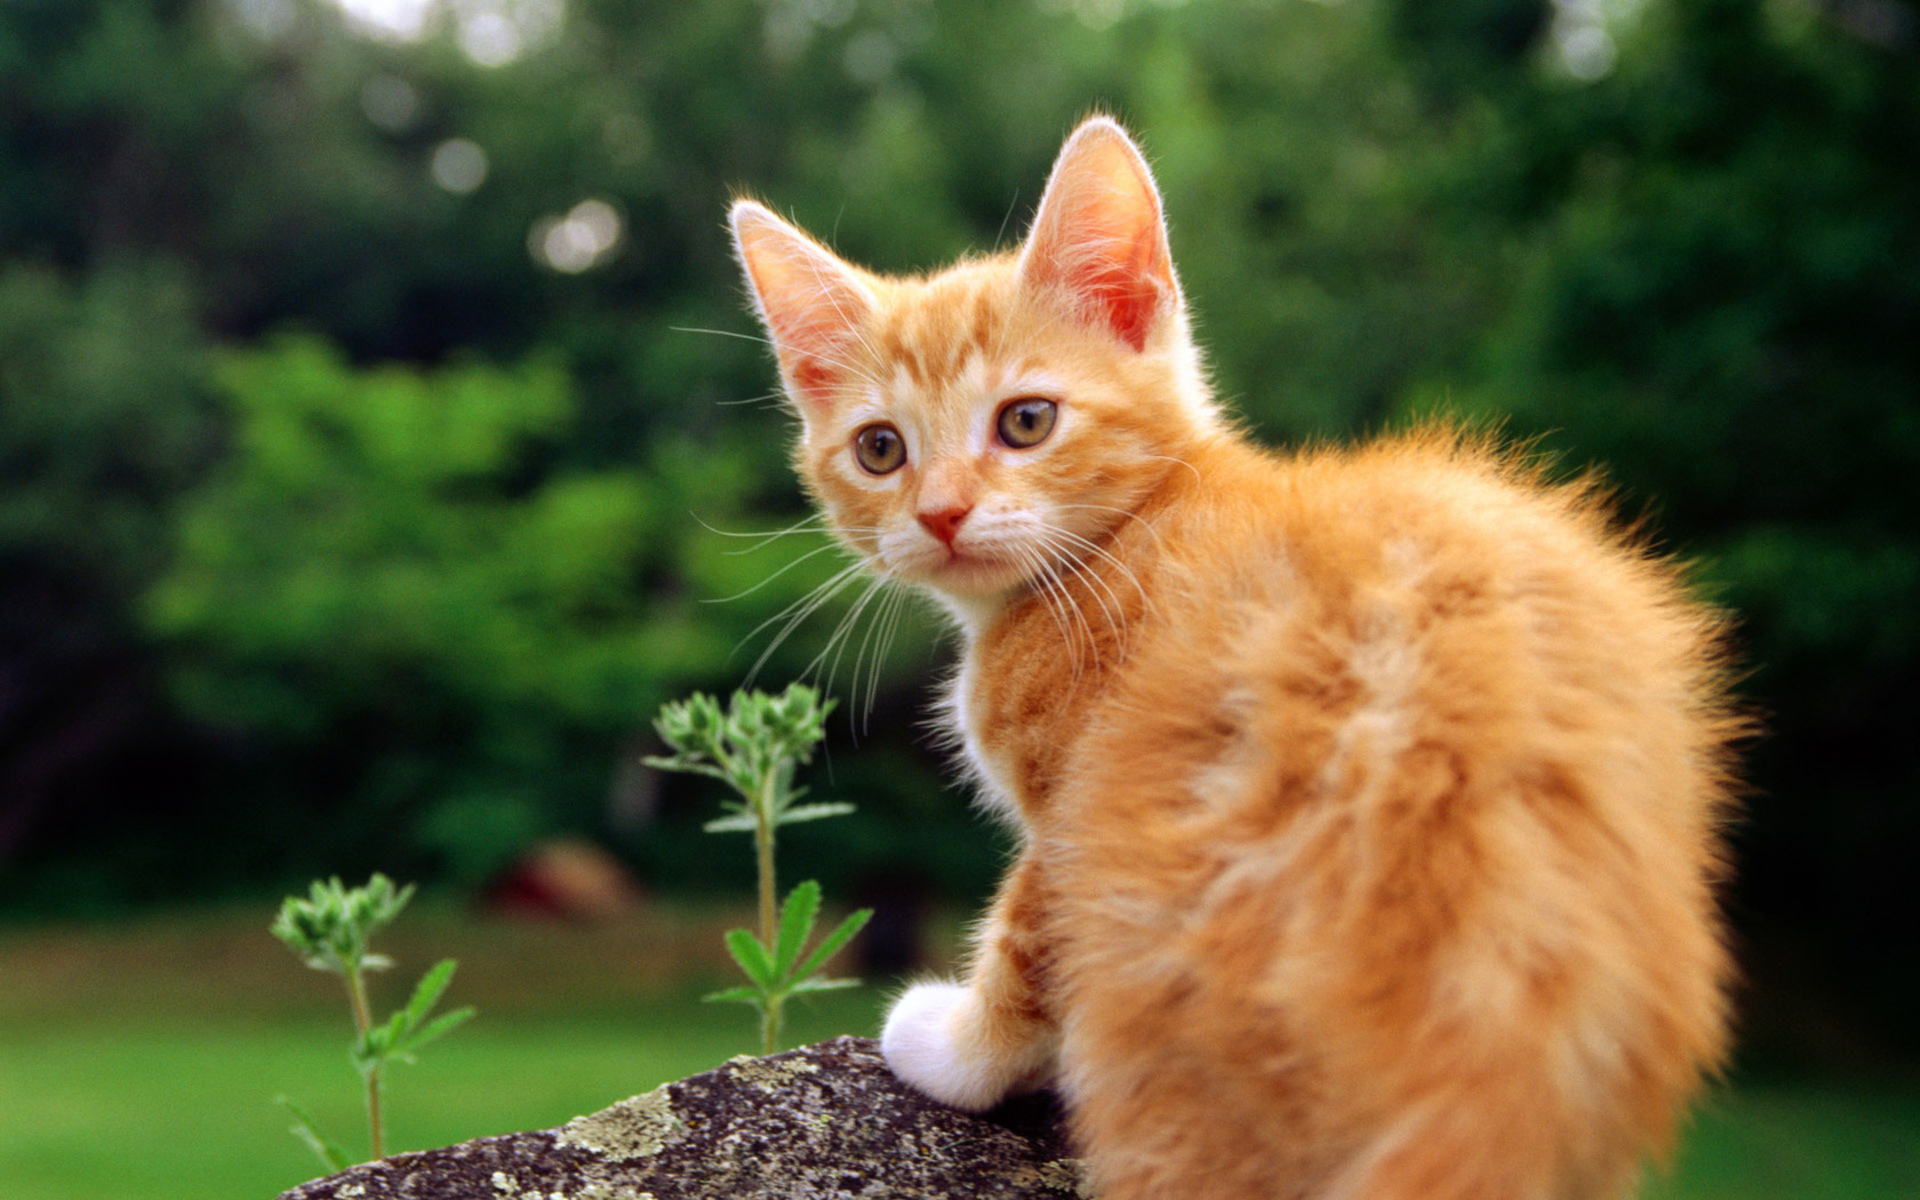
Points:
(927, 1043)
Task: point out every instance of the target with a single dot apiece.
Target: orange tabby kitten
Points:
(1370, 799)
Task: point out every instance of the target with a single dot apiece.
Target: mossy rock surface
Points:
(826, 1121)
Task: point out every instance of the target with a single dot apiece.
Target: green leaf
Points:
(329, 1153)
(752, 957)
(855, 922)
(813, 812)
(821, 985)
(428, 991)
(734, 823)
(796, 923)
(433, 1030)
(684, 763)
(736, 995)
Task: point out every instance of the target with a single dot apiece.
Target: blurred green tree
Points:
(381, 550)
(105, 410)
(1676, 237)
(1711, 288)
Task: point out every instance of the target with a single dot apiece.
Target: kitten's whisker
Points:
(793, 614)
(1097, 588)
(745, 337)
(1197, 478)
(852, 327)
(880, 636)
(813, 553)
(1129, 514)
(862, 668)
(862, 373)
(762, 536)
(999, 239)
(885, 621)
(849, 367)
(1066, 547)
(1062, 536)
(1073, 539)
(764, 400)
(837, 641)
(1060, 606)
(903, 599)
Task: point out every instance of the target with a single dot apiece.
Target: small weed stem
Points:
(330, 930)
(362, 1022)
(754, 747)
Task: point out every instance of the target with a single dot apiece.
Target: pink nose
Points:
(945, 524)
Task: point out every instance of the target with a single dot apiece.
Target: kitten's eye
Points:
(1026, 422)
(880, 449)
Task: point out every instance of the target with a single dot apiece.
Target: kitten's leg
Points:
(970, 1046)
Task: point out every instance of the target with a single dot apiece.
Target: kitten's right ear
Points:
(811, 302)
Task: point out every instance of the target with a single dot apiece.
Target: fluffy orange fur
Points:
(1370, 799)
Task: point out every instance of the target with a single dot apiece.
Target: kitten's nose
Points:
(945, 524)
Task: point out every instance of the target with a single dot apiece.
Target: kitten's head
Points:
(971, 430)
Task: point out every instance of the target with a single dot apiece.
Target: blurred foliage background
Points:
(379, 407)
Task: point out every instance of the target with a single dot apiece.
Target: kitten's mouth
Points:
(973, 572)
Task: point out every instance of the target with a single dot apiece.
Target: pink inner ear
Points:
(813, 304)
(811, 341)
(812, 377)
(1099, 235)
(1123, 288)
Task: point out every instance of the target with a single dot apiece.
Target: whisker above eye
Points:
(730, 333)
(765, 400)
(851, 368)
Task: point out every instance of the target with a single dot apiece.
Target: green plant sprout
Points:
(754, 747)
(330, 931)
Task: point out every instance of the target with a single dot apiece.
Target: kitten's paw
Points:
(933, 1040)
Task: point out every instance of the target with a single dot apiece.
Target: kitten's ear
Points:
(812, 304)
(1100, 237)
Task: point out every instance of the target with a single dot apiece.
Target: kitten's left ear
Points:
(813, 304)
(1100, 237)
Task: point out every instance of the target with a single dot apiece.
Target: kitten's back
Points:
(1422, 761)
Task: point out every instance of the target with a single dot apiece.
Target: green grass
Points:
(165, 1110)
(1800, 1141)
(140, 1061)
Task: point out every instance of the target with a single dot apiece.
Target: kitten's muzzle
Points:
(944, 523)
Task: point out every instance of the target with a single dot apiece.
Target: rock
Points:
(827, 1121)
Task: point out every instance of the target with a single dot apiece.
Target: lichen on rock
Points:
(770, 1075)
(827, 1121)
(634, 1128)
(1061, 1175)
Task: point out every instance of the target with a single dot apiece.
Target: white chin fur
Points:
(923, 1043)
